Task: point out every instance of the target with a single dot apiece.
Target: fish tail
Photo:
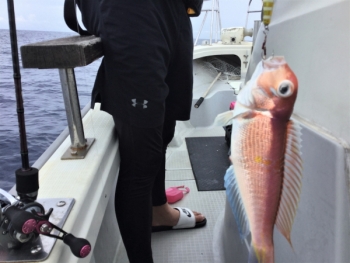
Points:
(263, 254)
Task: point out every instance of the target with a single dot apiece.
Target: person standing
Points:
(145, 82)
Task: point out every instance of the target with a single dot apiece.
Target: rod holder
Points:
(79, 144)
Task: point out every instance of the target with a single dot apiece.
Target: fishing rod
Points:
(23, 219)
(27, 178)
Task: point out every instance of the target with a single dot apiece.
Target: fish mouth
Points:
(274, 62)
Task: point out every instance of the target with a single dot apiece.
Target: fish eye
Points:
(285, 89)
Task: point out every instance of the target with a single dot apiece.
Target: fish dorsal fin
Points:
(291, 181)
(236, 202)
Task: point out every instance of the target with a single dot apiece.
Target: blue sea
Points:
(43, 103)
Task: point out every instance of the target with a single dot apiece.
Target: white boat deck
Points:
(192, 245)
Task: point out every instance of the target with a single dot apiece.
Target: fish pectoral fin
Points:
(236, 202)
(292, 181)
(224, 119)
(240, 111)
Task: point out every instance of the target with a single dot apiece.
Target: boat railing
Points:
(249, 11)
(215, 23)
(65, 54)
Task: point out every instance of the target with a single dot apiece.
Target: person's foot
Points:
(165, 215)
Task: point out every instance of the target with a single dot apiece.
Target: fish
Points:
(263, 184)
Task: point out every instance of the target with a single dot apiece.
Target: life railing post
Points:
(212, 22)
(79, 145)
(218, 15)
(200, 30)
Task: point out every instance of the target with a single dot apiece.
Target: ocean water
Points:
(43, 103)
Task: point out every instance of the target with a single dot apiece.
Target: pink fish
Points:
(263, 185)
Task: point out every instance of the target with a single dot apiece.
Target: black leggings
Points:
(141, 184)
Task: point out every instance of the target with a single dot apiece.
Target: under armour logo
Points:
(143, 104)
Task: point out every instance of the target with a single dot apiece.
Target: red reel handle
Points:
(80, 247)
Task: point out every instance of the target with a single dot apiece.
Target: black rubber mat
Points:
(209, 160)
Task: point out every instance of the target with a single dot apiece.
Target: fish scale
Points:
(259, 171)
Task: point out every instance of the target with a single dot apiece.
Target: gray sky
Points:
(47, 15)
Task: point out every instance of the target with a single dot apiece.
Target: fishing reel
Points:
(22, 221)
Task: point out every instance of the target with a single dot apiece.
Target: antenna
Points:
(27, 182)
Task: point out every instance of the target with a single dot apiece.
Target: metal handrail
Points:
(248, 12)
(214, 9)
